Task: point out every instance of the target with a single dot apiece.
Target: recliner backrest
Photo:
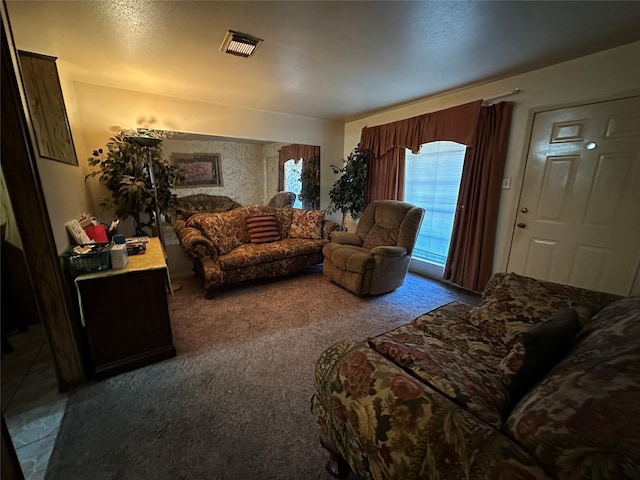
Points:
(282, 200)
(390, 222)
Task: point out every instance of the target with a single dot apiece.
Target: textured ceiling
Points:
(333, 60)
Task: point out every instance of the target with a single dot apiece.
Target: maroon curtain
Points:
(389, 168)
(385, 179)
(470, 259)
(296, 152)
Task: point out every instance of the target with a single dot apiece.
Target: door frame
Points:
(53, 299)
(533, 111)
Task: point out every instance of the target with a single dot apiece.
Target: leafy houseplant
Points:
(122, 169)
(347, 192)
(310, 180)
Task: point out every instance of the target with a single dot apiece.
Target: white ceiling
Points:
(333, 60)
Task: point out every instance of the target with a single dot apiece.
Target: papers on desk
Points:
(137, 240)
(136, 245)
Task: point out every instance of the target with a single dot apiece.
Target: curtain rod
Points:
(506, 94)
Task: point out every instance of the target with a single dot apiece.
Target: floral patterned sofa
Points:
(539, 381)
(253, 241)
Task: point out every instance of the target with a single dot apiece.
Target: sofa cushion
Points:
(447, 370)
(225, 230)
(294, 247)
(284, 216)
(252, 254)
(537, 350)
(582, 419)
(306, 224)
(448, 324)
(457, 361)
(262, 228)
(516, 303)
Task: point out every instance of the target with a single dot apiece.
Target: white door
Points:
(578, 218)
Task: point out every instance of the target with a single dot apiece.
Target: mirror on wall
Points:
(245, 170)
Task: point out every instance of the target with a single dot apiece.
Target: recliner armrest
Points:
(389, 251)
(328, 227)
(346, 238)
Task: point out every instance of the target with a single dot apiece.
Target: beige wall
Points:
(597, 76)
(104, 110)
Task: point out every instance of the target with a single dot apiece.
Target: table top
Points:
(153, 259)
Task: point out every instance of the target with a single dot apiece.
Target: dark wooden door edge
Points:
(10, 465)
(25, 191)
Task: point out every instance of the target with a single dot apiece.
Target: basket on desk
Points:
(94, 261)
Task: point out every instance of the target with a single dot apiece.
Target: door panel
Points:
(579, 214)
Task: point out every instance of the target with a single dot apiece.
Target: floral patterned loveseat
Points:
(464, 393)
(254, 241)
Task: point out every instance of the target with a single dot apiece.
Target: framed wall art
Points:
(199, 169)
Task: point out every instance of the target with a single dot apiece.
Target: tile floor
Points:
(31, 404)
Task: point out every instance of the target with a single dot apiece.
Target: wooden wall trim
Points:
(20, 170)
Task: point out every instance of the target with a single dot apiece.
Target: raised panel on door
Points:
(540, 256)
(579, 213)
(555, 189)
(605, 203)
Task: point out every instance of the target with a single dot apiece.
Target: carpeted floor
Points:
(234, 403)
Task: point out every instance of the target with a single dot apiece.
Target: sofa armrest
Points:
(197, 245)
(346, 238)
(389, 251)
(493, 282)
(178, 225)
(386, 424)
(328, 227)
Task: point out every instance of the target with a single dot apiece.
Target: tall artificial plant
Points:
(347, 192)
(122, 168)
(310, 181)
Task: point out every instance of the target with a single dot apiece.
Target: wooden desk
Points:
(126, 313)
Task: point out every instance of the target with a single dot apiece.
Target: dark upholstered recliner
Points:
(282, 200)
(374, 259)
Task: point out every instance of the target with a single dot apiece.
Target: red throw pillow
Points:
(262, 228)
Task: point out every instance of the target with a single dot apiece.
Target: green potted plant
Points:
(122, 169)
(310, 181)
(347, 192)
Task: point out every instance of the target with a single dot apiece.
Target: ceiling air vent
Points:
(240, 44)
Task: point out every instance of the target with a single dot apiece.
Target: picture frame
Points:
(198, 169)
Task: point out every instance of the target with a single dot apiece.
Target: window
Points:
(293, 179)
(432, 181)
